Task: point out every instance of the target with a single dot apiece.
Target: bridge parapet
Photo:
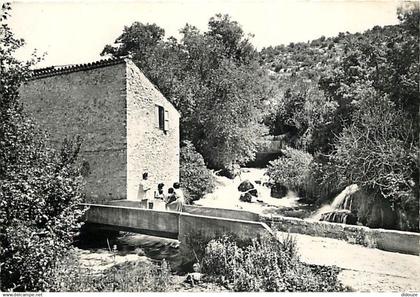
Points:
(133, 219)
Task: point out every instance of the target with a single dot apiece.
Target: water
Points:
(226, 194)
(95, 252)
(341, 202)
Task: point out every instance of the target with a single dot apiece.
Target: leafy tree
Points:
(381, 158)
(305, 115)
(214, 80)
(376, 87)
(39, 187)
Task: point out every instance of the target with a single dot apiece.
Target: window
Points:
(162, 118)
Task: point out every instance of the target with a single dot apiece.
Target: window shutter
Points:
(157, 116)
(166, 128)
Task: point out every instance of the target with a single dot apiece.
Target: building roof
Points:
(57, 70)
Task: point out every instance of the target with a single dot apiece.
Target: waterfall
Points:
(342, 202)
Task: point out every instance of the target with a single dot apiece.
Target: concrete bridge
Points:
(124, 215)
(363, 268)
(209, 222)
(268, 149)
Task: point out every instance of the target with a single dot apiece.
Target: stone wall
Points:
(387, 240)
(90, 103)
(149, 148)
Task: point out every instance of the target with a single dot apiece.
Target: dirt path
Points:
(364, 269)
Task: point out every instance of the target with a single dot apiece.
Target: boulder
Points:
(381, 215)
(278, 191)
(343, 216)
(253, 192)
(371, 211)
(226, 172)
(245, 197)
(245, 186)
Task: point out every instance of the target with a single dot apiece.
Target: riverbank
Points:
(362, 269)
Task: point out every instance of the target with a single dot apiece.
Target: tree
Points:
(381, 158)
(376, 87)
(40, 188)
(213, 79)
(305, 115)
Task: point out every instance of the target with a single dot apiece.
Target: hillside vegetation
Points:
(351, 101)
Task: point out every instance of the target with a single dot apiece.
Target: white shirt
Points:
(144, 190)
(180, 195)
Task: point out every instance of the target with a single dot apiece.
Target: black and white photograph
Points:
(212, 146)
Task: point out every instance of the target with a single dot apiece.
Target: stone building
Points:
(128, 127)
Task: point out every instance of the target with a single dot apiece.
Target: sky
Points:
(72, 32)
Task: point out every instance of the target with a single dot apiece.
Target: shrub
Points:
(381, 159)
(267, 265)
(127, 277)
(196, 179)
(291, 170)
(323, 185)
(40, 188)
(39, 215)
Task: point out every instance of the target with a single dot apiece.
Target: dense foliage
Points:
(39, 187)
(267, 265)
(327, 97)
(195, 178)
(125, 277)
(352, 102)
(291, 169)
(214, 80)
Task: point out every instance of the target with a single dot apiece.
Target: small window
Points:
(162, 118)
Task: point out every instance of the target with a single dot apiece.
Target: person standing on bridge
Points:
(144, 189)
(180, 200)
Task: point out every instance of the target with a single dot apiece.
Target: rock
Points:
(245, 197)
(278, 191)
(370, 211)
(253, 192)
(193, 278)
(139, 252)
(230, 172)
(373, 212)
(226, 172)
(381, 215)
(343, 216)
(246, 185)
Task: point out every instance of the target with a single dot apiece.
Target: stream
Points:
(96, 252)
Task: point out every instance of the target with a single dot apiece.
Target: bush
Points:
(381, 159)
(39, 215)
(127, 277)
(40, 188)
(291, 170)
(323, 185)
(196, 179)
(267, 265)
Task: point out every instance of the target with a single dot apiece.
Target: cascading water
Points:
(226, 194)
(339, 211)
